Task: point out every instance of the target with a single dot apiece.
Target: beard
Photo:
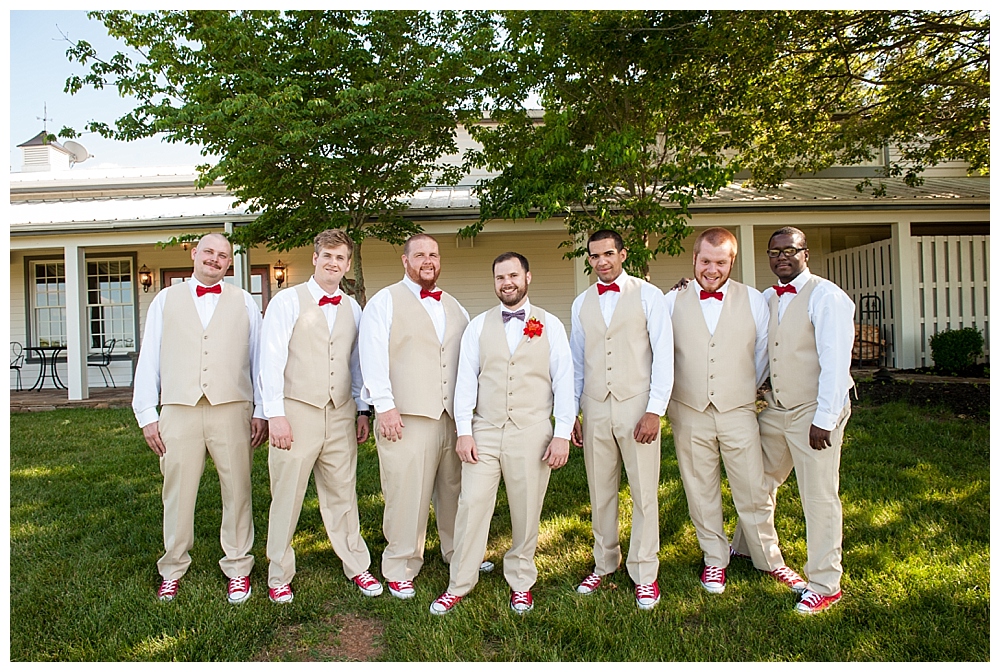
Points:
(415, 276)
(515, 298)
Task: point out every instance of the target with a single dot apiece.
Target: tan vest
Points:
(422, 370)
(618, 358)
(319, 360)
(714, 369)
(515, 387)
(791, 350)
(212, 362)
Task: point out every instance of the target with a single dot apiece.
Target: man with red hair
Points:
(720, 350)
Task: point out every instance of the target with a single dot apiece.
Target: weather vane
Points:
(45, 118)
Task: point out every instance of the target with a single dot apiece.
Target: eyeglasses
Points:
(787, 252)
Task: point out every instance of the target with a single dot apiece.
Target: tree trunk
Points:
(357, 288)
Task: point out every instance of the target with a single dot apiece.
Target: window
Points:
(48, 299)
(110, 306)
(110, 303)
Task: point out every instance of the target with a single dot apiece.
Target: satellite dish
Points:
(78, 151)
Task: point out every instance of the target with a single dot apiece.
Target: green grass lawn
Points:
(85, 518)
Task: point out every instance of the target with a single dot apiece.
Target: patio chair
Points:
(102, 361)
(17, 361)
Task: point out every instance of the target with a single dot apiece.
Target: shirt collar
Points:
(195, 282)
(526, 307)
(800, 280)
(617, 281)
(414, 287)
(317, 291)
(723, 289)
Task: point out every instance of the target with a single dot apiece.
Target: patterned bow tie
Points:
(711, 295)
(787, 289)
(424, 293)
(214, 289)
(507, 317)
(607, 288)
(332, 300)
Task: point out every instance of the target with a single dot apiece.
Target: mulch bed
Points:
(966, 399)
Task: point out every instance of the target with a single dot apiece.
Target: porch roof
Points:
(50, 213)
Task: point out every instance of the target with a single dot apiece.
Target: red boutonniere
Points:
(533, 328)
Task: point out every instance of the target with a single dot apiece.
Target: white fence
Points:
(951, 276)
(863, 271)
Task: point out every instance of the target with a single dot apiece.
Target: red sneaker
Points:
(647, 595)
(281, 594)
(521, 601)
(713, 579)
(813, 603)
(589, 584)
(789, 577)
(368, 584)
(168, 590)
(238, 589)
(444, 604)
(404, 590)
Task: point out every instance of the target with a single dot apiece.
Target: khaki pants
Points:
(420, 469)
(189, 434)
(608, 442)
(701, 437)
(324, 443)
(785, 437)
(515, 454)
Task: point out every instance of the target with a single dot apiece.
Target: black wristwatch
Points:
(368, 412)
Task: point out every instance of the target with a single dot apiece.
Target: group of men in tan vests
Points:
(460, 404)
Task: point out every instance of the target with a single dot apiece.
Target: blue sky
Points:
(38, 72)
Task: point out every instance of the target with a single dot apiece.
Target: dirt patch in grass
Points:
(336, 637)
(964, 399)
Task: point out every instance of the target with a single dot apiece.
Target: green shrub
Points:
(956, 349)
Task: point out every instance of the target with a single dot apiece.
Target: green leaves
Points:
(321, 119)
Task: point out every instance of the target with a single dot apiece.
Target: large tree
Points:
(320, 119)
(644, 111)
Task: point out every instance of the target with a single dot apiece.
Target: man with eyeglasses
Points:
(720, 348)
(810, 336)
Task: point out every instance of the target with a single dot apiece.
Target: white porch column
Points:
(241, 263)
(904, 297)
(581, 280)
(77, 346)
(746, 257)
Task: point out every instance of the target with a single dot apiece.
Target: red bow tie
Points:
(424, 293)
(607, 288)
(214, 289)
(711, 295)
(332, 300)
(787, 289)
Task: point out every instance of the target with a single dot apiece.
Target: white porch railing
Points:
(951, 276)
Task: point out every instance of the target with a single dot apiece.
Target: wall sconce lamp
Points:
(145, 278)
(279, 273)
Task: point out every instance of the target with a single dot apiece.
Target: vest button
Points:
(204, 384)
(609, 352)
(712, 392)
(712, 376)
(713, 345)
(609, 368)
(205, 337)
(206, 352)
(205, 369)
(510, 394)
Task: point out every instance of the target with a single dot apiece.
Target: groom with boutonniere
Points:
(515, 372)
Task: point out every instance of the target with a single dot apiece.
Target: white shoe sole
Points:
(714, 590)
(241, 600)
(402, 595)
(647, 607)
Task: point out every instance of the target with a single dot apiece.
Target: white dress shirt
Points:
(661, 340)
(282, 313)
(146, 384)
(831, 312)
(712, 310)
(560, 371)
(373, 340)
